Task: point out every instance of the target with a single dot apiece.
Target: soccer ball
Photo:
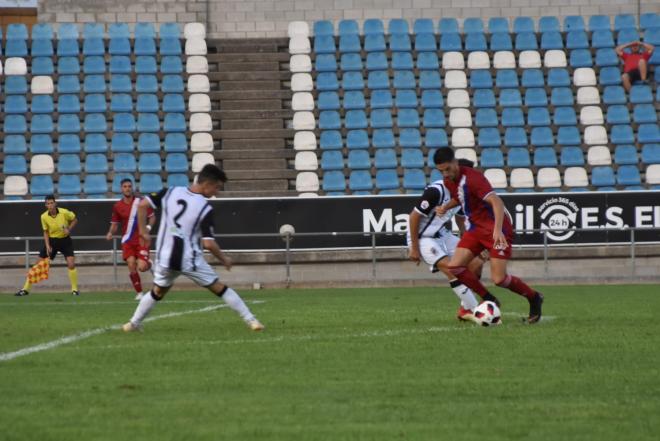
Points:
(487, 314)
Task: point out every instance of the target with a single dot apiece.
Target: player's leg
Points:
(625, 80)
(133, 275)
(65, 246)
(476, 265)
(469, 247)
(512, 283)
(643, 69)
(163, 281)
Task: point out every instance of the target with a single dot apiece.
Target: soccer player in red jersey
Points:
(135, 255)
(635, 63)
(487, 226)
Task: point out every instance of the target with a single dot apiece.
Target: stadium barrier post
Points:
(287, 240)
(114, 261)
(27, 255)
(373, 256)
(545, 253)
(633, 262)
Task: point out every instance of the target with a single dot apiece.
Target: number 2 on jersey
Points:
(184, 205)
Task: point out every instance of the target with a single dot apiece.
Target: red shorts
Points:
(134, 249)
(478, 240)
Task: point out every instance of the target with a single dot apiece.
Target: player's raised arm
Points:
(498, 212)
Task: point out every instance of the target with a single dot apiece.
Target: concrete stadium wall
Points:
(270, 18)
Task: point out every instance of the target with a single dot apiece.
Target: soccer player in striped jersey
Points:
(186, 222)
(136, 256)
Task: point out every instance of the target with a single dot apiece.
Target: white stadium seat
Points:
(302, 82)
(478, 60)
(584, 76)
(460, 118)
(198, 84)
(588, 96)
(455, 79)
(199, 102)
(42, 165)
(15, 66)
(496, 177)
(504, 60)
(595, 135)
(197, 64)
(548, 177)
(576, 177)
(302, 101)
(599, 155)
(299, 45)
(304, 141)
(15, 186)
(200, 122)
(453, 60)
(653, 174)
(201, 142)
(199, 160)
(304, 121)
(469, 154)
(522, 178)
(195, 46)
(306, 161)
(298, 29)
(529, 60)
(591, 115)
(462, 138)
(307, 182)
(300, 63)
(194, 30)
(307, 194)
(458, 98)
(42, 85)
(554, 58)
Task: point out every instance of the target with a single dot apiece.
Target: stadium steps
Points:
(249, 92)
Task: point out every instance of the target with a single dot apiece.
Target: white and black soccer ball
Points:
(487, 314)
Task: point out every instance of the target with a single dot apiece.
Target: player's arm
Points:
(208, 240)
(498, 212)
(649, 47)
(151, 220)
(413, 226)
(620, 48)
(47, 242)
(143, 207)
(460, 223)
(112, 230)
(71, 226)
(442, 209)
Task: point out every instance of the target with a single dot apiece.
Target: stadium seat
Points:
(475, 41)
(175, 122)
(641, 94)
(69, 163)
(149, 84)
(41, 186)
(602, 39)
(644, 113)
(429, 80)
(472, 24)
(595, 135)
(450, 42)
(607, 58)
(489, 137)
(355, 119)
(383, 138)
(453, 60)
(518, 157)
(428, 61)
(651, 154)
(548, 178)
(334, 181)
(515, 137)
(571, 156)
(588, 96)
(329, 120)
(41, 144)
(618, 114)
(414, 179)
(580, 58)
(42, 66)
(119, 46)
(545, 157)
(552, 40)
(120, 65)
(501, 41)
(297, 63)
(591, 115)
(124, 163)
(536, 97)
(599, 155)
(387, 181)
(438, 138)
(379, 80)
(628, 175)
(14, 165)
(492, 158)
(405, 99)
(404, 80)
(68, 143)
(614, 95)
(506, 79)
(522, 178)
(122, 143)
(498, 24)
(504, 60)
(483, 98)
(460, 118)
(510, 98)
(41, 165)
(385, 158)
(458, 98)
(349, 43)
(410, 138)
(434, 118)
(123, 122)
(584, 76)
(526, 41)
(462, 137)
(358, 159)
(653, 174)
(327, 81)
(357, 139)
(145, 103)
(564, 116)
(558, 78)
(198, 84)
(648, 134)
(625, 155)
(539, 116)
(41, 124)
(485, 117)
(602, 176)
(532, 78)
(630, 35)
(96, 143)
(496, 177)
(481, 79)
(303, 121)
(455, 79)
(332, 160)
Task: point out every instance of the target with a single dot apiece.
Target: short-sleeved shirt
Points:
(55, 225)
(470, 189)
(126, 214)
(631, 61)
(432, 225)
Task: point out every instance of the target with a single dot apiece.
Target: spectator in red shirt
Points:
(635, 63)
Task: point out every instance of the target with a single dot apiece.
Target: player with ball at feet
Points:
(487, 226)
(186, 221)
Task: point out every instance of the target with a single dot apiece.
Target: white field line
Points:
(92, 332)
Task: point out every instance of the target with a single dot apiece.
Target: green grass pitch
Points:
(333, 364)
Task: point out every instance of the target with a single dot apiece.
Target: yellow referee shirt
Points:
(55, 225)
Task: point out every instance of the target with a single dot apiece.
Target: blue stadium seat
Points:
(506, 78)
(94, 65)
(621, 134)
(571, 156)
(406, 99)
(515, 137)
(518, 157)
(16, 48)
(69, 185)
(501, 41)
(428, 61)
(119, 46)
(562, 96)
(42, 48)
(67, 48)
(610, 76)
(602, 176)
(387, 180)
(649, 20)
(123, 122)
(15, 144)
(481, 79)
(150, 183)
(558, 77)
(492, 158)
(147, 103)
(145, 65)
(580, 58)
(641, 94)
(476, 41)
(410, 138)
(425, 42)
(552, 40)
(120, 65)
(542, 136)
(536, 97)
(93, 46)
(177, 180)
(68, 84)
(354, 100)
(121, 102)
(42, 66)
(429, 80)
(532, 78)
(124, 163)
(42, 31)
(174, 122)
(404, 80)
(564, 116)
(15, 165)
(607, 57)
(122, 143)
(332, 160)
(628, 36)
(355, 119)
(351, 62)
(432, 99)
(489, 137)
(398, 26)
(68, 144)
(94, 84)
(170, 84)
(41, 124)
(400, 43)
(93, 30)
(568, 135)
(651, 154)
(545, 157)
(149, 83)
(483, 98)
(148, 122)
(374, 43)
(625, 155)
(143, 46)
(41, 144)
(175, 143)
(383, 138)
(449, 25)
(96, 163)
(402, 61)
(121, 30)
(171, 65)
(349, 43)
(326, 63)
(41, 185)
(348, 27)
(324, 44)
(15, 124)
(408, 118)
(357, 139)
(599, 23)
(510, 98)
(176, 163)
(69, 164)
(328, 101)
(148, 143)
(414, 179)
(96, 143)
(628, 175)
(330, 139)
(577, 40)
(602, 39)
(334, 181)
(170, 46)
(618, 114)
(324, 27)
(574, 23)
(352, 81)
(450, 42)
(436, 138)
(385, 158)
(648, 134)
(15, 85)
(549, 24)
(614, 95)
(327, 81)
(359, 159)
(538, 116)
(526, 41)
(472, 24)
(434, 118)
(375, 61)
(373, 26)
(486, 117)
(68, 123)
(149, 163)
(173, 103)
(16, 104)
(95, 123)
(624, 21)
(523, 24)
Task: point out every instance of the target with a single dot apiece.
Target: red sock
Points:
(135, 280)
(468, 279)
(513, 283)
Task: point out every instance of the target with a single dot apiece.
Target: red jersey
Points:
(631, 61)
(470, 189)
(126, 214)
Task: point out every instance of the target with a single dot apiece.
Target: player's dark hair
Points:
(443, 155)
(50, 197)
(125, 180)
(466, 163)
(211, 172)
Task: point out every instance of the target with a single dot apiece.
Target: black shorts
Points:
(63, 245)
(634, 75)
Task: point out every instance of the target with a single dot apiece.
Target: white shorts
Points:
(203, 275)
(434, 249)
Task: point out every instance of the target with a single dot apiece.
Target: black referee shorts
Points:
(63, 246)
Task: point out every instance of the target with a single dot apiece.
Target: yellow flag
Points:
(39, 271)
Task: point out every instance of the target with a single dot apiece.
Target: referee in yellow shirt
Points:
(57, 224)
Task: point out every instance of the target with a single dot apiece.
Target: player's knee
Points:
(501, 280)
(221, 292)
(455, 269)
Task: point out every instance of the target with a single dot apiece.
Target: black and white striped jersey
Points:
(185, 219)
(435, 195)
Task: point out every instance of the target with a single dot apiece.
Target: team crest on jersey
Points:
(424, 205)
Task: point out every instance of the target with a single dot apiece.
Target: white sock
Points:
(234, 301)
(465, 295)
(147, 302)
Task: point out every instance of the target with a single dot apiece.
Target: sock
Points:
(464, 293)
(27, 285)
(234, 301)
(513, 283)
(135, 280)
(147, 302)
(73, 278)
(468, 279)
